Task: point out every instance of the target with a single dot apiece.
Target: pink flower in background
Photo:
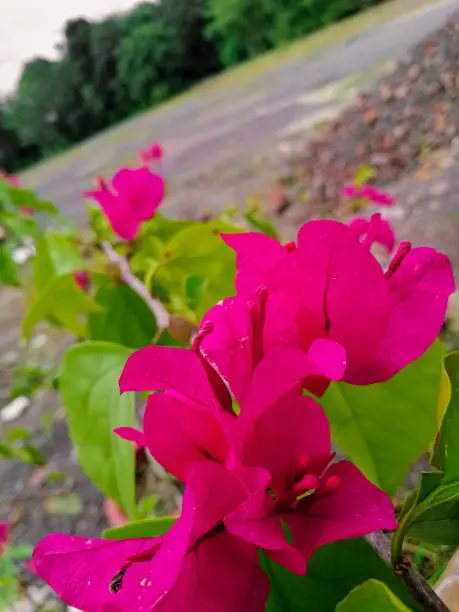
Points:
(374, 230)
(14, 181)
(82, 279)
(5, 529)
(333, 288)
(154, 153)
(10, 179)
(370, 193)
(134, 197)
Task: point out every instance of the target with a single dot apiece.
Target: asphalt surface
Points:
(208, 133)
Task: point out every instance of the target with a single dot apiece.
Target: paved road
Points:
(208, 134)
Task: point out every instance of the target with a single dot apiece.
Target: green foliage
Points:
(245, 28)
(145, 528)
(9, 574)
(371, 595)
(385, 427)
(89, 386)
(333, 571)
(9, 273)
(431, 513)
(125, 318)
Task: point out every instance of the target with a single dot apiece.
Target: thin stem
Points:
(420, 589)
(160, 313)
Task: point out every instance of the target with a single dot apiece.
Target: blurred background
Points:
(267, 105)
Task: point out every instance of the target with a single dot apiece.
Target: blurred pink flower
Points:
(5, 529)
(154, 153)
(134, 197)
(368, 192)
(14, 181)
(82, 279)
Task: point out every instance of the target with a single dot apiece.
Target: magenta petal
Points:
(177, 434)
(80, 570)
(142, 189)
(355, 508)
(256, 521)
(359, 227)
(131, 435)
(226, 348)
(329, 357)
(257, 254)
(223, 575)
(215, 493)
(296, 426)
(157, 368)
(419, 289)
(281, 371)
(5, 529)
(118, 213)
(352, 287)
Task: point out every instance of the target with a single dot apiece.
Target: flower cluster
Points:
(229, 418)
(133, 197)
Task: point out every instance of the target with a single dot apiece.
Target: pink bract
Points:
(82, 279)
(188, 569)
(154, 153)
(320, 501)
(374, 230)
(5, 529)
(331, 287)
(368, 192)
(133, 197)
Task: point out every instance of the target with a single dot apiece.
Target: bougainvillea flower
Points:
(134, 197)
(192, 418)
(374, 230)
(320, 500)
(185, 570)
(82, 279)
(154, 153)
(10, 179)
(244, 331)
(334, 288)
(4, 535)
(14, 181)
(370, 193)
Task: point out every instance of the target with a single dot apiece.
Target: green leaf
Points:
(333, 571)
(399, 414)
(258, 223)
(65, 303)
(434, 517)
(25, 197)
(363, 175)
(9, 273)
(371, 595)
(446, 456)
(91, 397)
(146, 506)
(63, 504)
(126, 319)
(20, 434)
(20, 552)
(145, 528)
(56, 256)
